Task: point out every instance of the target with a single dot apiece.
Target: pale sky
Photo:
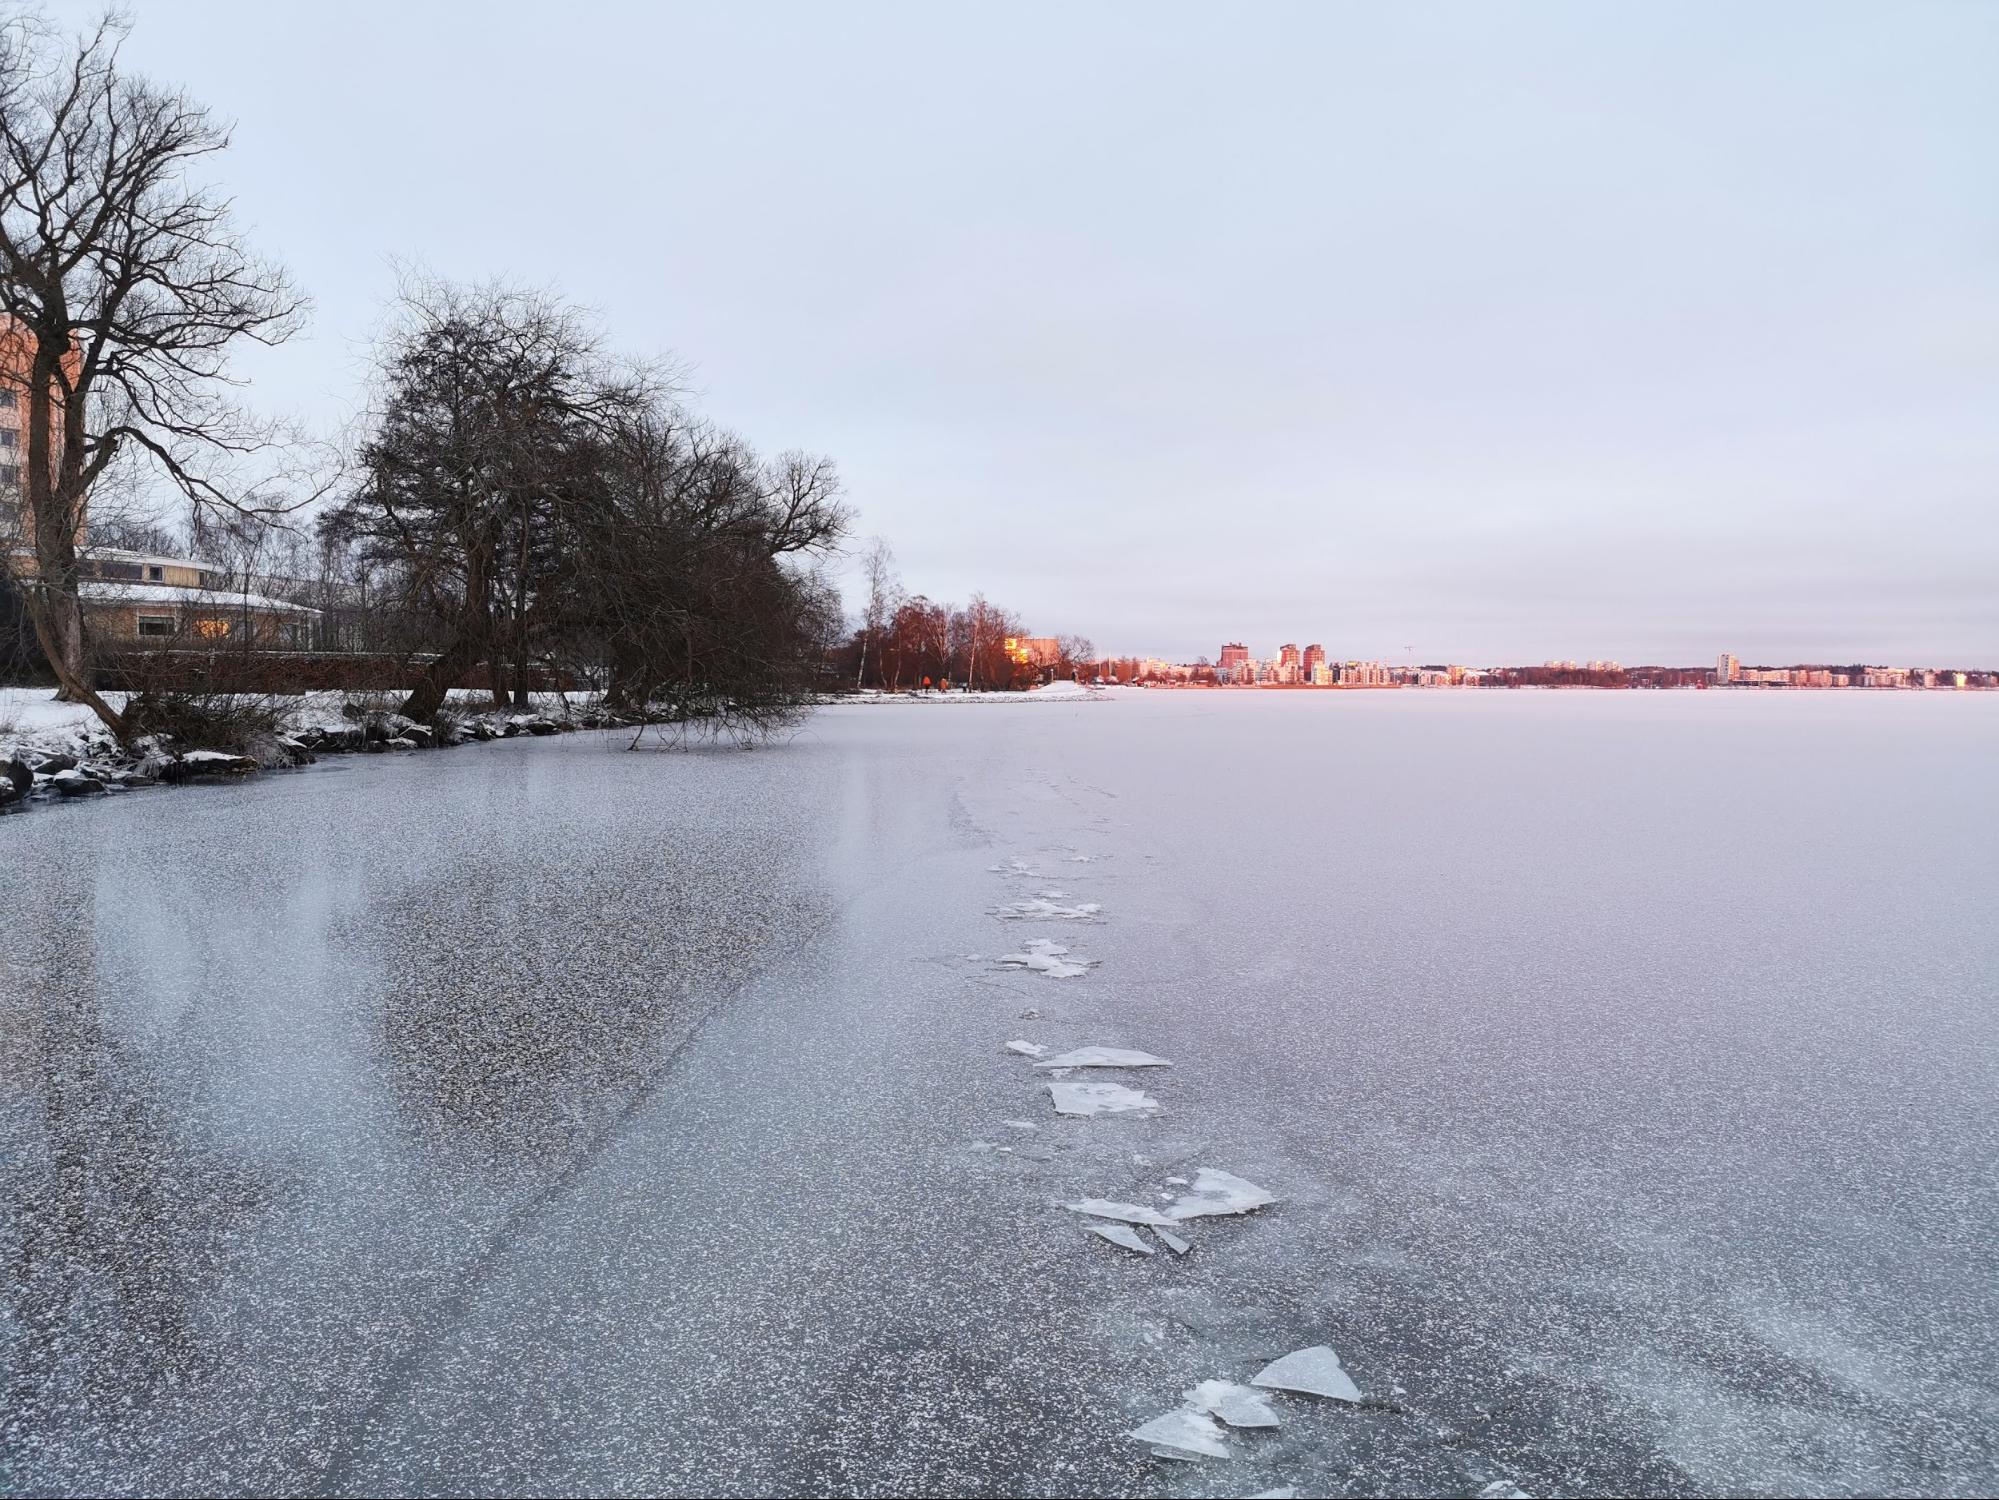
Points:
(1482, 333)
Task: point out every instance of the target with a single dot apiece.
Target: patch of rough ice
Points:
(1315, 1371)
(1073, 1098)
(1183, 1431)
(1503, 1489)
(1289, 1492)
(1014, 867)
(1172, 1241)
(1027, 1049)
(1105, 1057)
(1214, 1192)
(1105, 1208)
(1123, 1235)
(1237, 1405)
(1020, 1125)
(1046, 911)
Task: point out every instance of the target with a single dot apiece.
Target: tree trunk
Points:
(58, 621)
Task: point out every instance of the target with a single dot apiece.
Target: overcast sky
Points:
(1477, 332)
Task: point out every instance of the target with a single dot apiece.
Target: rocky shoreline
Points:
(94, 764)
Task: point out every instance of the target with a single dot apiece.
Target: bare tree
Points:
(125, 286)
(882, 592)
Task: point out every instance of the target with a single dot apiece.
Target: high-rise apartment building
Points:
(1726, 668)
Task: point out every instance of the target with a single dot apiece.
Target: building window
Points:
(10, 476)
(156, 624)
(212, 629)
(9, 438)
(155, 574)
(8, 400)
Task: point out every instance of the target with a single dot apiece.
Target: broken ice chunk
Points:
(1503, 1489)
(1105, 1057)
(1073, 1098)
(1315, 1371)
(1183, 1431)
(1172, 1241)
(1289, 1492)
(1237, 1405)
(1214, 1192)
(1020, 1125)
(1104, 1208)
(1027, 1049)
(1121, 1234)
(1044, 910)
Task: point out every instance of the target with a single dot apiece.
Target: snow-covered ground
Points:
(1549, 1093)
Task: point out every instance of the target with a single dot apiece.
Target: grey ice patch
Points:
(1123, 1235)
(1105, 1057)
(1503, 1489)
(1105, 1208)
(1315, 1371)
(1237, 1405)
(1020, 1125)
(1289, 1492)
(1214, 1192)
(1027, 1049)
(1183, 1431)
(1074, 1098)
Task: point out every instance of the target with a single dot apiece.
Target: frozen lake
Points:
(542, 1117)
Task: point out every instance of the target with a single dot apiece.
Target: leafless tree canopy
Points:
(545, 504)
(125, 287)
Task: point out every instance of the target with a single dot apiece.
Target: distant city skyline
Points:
(1475, 331)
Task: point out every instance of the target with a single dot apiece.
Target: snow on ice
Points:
(1041, 909)
(1046, 957)
(1315, 1372)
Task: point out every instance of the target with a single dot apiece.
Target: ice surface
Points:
(1120, 1234)
(1105, 1057)
(1105, 1208)
(1020, 1125)
(1172, 1241)
(1046, 957)
(1027, 1049)
(1289, 1492)
(1237, 1405)
(1503, 1489)
(1184, 1431)
(1214, 1192)
(1315, 1371)
(1071, 1097)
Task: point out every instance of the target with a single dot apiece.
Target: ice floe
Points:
(1027, 1049)
(1105, 1057)
(1072, 1097)
(1237, 1405)
(1503, 1489)
(1215, 1193)
(1121, 1234)
(1041, 909)
(1183, 1431)
(1315, 1372)
(1105, 1208)
(1171, 1241)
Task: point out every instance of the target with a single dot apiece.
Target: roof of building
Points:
(157, 559)
(91, 591)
